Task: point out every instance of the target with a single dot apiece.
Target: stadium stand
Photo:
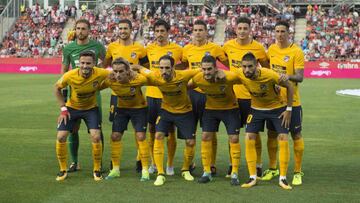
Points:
(35, 34)
(330, 35)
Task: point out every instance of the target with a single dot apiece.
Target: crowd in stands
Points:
(330, 35)
(262, 25)
(36, 33)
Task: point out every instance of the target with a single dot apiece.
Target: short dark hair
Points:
(88, 53)
(209, 59)
(200, 22)
(249, 57)
(167, 57)
(243, 20)
(121, 61)
(282, 23)
(127, 21)
(83, 21)
(161, 22)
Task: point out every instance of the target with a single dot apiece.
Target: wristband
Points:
(289, 108)
(63, 108)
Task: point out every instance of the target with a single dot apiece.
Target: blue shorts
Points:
(154, 107)
(198, 101)
(244, 108)
(183, 121)
(91, 118)
(295, 123)
(123, 115)
(211, 120)
(256, 120)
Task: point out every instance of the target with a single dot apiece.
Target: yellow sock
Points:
(206, 152)
(171, 145)
(188, 157)
(61, 154)
(230, 158)
(97, 154)
(116, 151)
(284, 156)
(272, 144)
(235, 154)
(250, 154)
(214, 150)
(298, 154)
(159, 155)
(144, 154)
(258, 146)
(138, 158)
(151, 146)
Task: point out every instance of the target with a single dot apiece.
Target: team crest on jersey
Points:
(169, 53)
(222, 88)
(263, 87)
(207, 53)
(95, 84)
(133, 55)
(179, 84)
(286, 58)
(132, 90)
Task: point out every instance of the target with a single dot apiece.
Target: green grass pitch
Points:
(28, 164)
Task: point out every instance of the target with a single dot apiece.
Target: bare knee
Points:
(140, 136)
(207, 136)
(283, 137)
(95, 135)
(61, 136)
(116, 136)
(234, 138)
(159, 136)
(251, 136)
(190, 142)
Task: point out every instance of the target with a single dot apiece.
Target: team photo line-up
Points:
(184, 87)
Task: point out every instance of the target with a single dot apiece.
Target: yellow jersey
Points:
(193, 54)
(175, 98)
(235, 52)
(129, 94)
(154, 53)
(262, 89)
(286, 61)
(82, 90)
(220, 95)
(132, 53)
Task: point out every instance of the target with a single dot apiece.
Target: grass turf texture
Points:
(29, 165)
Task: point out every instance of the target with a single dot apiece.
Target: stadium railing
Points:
(8, 17)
